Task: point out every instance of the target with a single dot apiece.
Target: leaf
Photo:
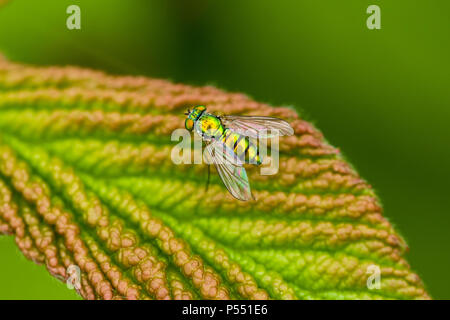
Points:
(86, 179)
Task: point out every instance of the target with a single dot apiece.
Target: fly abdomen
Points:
(243, 149)
(252, 153)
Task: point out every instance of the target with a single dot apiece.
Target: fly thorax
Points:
(209, 126)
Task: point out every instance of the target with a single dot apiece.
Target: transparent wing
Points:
(233, 176)
(255, 126)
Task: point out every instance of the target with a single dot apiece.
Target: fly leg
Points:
(209, 167)
(207, 181)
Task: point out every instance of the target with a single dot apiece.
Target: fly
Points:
(230, 144)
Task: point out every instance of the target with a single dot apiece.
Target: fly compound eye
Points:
(200, 108)
(189, 124)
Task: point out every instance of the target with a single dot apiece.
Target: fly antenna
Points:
(187, 113)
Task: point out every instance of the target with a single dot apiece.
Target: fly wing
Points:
(262, 127)
(233, 176)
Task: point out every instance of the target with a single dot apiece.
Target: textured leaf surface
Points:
(86, 178)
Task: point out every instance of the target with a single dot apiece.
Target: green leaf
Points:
(86, 179)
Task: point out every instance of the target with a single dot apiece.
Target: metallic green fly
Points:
(230, 144)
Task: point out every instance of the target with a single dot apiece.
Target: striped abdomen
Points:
(242, 147)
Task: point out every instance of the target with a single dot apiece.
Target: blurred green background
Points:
(382, 96)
